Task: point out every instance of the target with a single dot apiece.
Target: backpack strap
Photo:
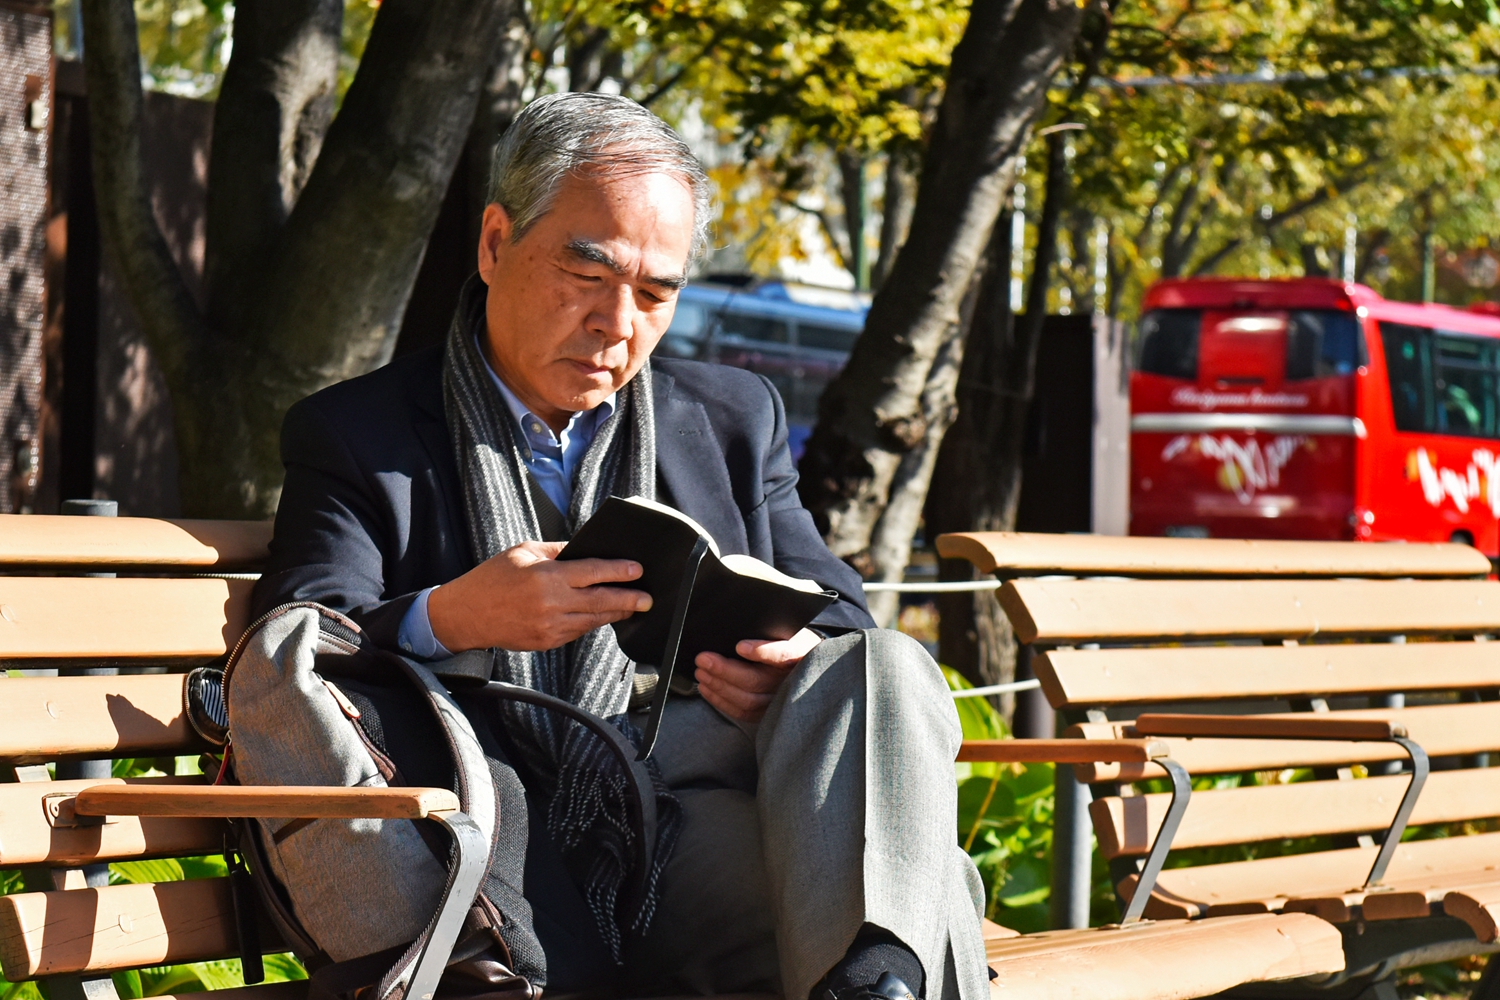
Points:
(415, 975)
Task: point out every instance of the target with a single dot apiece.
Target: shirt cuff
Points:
(415, 635)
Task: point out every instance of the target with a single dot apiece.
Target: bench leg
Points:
(1380, 989)
(81, 988)
(1072, 852)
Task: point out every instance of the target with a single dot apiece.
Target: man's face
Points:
(578, 303)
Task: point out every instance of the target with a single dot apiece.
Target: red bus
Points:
(1313, 409)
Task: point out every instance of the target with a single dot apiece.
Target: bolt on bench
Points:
(181, 598)
(1312, 658)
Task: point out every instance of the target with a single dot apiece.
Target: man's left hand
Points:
(742, 687)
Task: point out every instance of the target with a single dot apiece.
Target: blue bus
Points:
(798, 336)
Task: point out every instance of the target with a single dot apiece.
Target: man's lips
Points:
(589, 368)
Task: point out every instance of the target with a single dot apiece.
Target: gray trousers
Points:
(838, 810)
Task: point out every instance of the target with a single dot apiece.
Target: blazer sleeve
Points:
(798, 548)
(326, 544)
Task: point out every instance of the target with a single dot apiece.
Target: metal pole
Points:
(1072, 852)
(1351, 237)
(97, 875)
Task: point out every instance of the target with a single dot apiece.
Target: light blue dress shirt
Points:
(552, 458)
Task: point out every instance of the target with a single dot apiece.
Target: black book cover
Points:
(735, 597)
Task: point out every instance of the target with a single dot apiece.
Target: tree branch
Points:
(1324, 194)
(348, 255)
(874, 412)
(852, 191)
(829, 233)
(273, 110)
(138, 251)
(1174, 243)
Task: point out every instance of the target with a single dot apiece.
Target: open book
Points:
(734, 597)
(727, 599)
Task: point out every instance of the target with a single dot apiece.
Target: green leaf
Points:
(211, 866)
(144, 872)
(283, 968)
(128, 984)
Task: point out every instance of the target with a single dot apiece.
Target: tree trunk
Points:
(852, 188)
(977, 486)
(499, 103)
(881, 407)
(895, 212)
(315, 235)
(974, 635)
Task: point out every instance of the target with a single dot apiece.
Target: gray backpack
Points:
(306, 699)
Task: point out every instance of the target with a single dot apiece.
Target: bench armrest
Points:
(1306, 726)
(265, 802)
(1063, 751)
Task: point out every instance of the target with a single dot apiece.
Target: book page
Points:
(760, 570)
(662, 508)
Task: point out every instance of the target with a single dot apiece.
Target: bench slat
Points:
(283, 802)
(1096, 677)
(1441, 730)
(27, 838)
(73, 617)
(1170, 960)
(44, 718)
(1263, 885)
(50, 540)
(1035, 554)
(1273, 812)
(118, 927)
(1479, 907)
(1076, 611)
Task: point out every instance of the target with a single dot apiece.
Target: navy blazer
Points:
(371, 513)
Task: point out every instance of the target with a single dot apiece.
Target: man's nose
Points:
(614, 316)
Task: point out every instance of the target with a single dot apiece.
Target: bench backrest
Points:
(180, 598)
(1398, 632)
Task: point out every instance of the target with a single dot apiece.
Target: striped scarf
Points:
(587, 815)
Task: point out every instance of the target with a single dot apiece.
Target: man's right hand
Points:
(524, 599)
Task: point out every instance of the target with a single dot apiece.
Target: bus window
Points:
(739, 327)
(1169, 343)
(1466, 385)
(1443, 383)
(826, 338)
(684, 337)
(1322, 342)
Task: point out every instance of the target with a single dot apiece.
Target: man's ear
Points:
(494, 234)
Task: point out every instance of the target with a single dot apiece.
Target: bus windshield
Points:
(1443, 382)
(1249, 348)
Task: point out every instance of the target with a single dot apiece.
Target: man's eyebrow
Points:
(595, 254)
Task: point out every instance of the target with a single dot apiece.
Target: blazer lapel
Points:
(431, 425)
(691, 464)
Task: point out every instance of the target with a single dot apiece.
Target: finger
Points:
(780, 652)
(577, 624)
(743, 705)
(772, 652)
(530, 553)
(739, 674)
(589, 572)
(607, 599)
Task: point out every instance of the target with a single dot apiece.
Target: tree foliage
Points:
(1276, 124)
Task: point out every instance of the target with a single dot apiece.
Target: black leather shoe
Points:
(887, 987)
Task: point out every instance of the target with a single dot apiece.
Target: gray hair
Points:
(561, 134)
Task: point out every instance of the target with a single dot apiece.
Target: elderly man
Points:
(807, 841)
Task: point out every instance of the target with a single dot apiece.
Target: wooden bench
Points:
(180, 599)
(1285, 646)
